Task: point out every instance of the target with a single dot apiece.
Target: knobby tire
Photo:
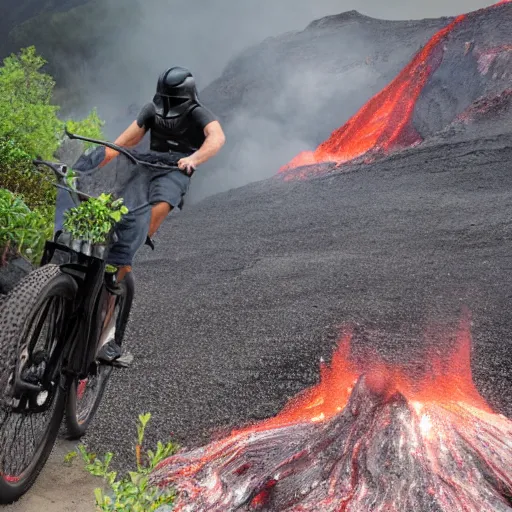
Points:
(37, 305)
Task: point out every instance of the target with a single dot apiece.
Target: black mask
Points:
(176, 92)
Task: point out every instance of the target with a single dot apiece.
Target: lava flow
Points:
(365, 438)
(384, 123)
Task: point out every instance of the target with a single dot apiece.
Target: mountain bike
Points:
(52, 325)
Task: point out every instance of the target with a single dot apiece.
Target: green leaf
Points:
(92, 219)
(70, 457)
(98, 493)
(116, 216)
(22, 230)
(135, 477)
(27, 114)
(132, 492)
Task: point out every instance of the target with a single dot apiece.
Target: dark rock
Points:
(288, 94)
(11, 273)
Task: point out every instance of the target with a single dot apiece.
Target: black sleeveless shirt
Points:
(183, 134)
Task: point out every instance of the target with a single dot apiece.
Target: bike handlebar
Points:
(61, 170)
(126, 153)
(110, 145)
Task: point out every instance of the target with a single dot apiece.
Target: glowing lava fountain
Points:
(361, 440)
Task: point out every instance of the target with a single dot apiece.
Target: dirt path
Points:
(60, 487)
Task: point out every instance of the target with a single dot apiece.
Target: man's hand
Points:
(187, 164)
(214, 140)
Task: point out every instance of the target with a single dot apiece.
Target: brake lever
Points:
(60, 171)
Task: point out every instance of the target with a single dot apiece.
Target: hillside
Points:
(397, 231)
(14, 13)
(291, 93)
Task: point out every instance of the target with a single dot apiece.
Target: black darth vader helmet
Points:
(176, 92)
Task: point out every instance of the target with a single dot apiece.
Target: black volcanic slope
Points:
(289, 93)
(246, 289)
(13, 13)
(311, 81)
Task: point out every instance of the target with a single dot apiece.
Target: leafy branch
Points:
(132, 492)
(21, 229)
(94, 218)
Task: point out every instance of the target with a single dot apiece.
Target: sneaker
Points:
(150, 243)
(124, 361)
(109, 352)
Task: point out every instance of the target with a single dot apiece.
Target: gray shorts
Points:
(169, 188)
(133, 229)
(131, 232)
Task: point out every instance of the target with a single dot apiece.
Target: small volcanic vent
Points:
(363, 439)
(384, 124)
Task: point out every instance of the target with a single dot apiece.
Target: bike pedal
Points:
(114, 290)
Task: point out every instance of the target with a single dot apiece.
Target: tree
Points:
(30, 127)
(27, 115)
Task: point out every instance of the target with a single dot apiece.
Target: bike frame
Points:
(84, 326)
(73, 300)
(83, 329)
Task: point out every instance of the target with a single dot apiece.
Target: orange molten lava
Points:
(326, 399)
(365, 428)
(384, 123)
(449, 379)
(448, 382)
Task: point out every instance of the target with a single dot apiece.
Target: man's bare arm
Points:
(129, 138)
(214, 141)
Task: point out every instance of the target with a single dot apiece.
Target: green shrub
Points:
(18, 175)
(27, 115)
(132, 492)
(22, 230)
(29, 127)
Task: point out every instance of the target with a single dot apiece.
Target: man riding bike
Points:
(180, 127)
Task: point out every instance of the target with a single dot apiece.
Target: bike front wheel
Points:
(33, 321)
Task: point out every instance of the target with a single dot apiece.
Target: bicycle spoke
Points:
(23, 427)
(87, 399)
(20, 438)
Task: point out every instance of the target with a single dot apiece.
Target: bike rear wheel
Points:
(85, 394)
(33, 320)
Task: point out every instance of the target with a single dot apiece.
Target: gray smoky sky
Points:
(135, 40)
(146, 36)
